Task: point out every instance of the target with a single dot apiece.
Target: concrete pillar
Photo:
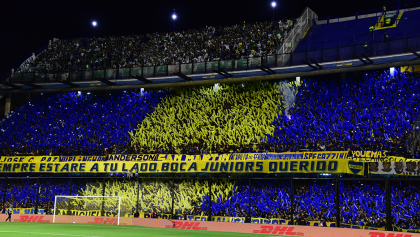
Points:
(8, 104)
(343, 76)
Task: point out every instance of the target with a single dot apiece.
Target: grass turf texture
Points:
(96, 230)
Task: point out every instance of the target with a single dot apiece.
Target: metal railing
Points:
(412, 142)
(375, 48)
(328, 18)
(409, 6)
(366, 12)
(301, 26)
(170, 183)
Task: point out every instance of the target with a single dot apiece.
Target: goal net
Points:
(91, 209)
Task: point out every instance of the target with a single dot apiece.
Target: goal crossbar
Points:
(80, 197)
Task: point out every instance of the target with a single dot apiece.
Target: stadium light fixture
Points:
(174, 18)
(94, 26)
(392, 71)
(273, 4)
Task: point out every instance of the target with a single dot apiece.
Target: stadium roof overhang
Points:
(280, 73)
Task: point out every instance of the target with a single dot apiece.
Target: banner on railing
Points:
(396, 228)
(361, 227)
(369, 155)
(398, 168)
(254, 220)
(323, 155)
(387, 159)
(137, 157)
(326, 155)
(286, 166)
(28, 211)
(247, 156)
(284, 156)
(45, 159)
(203, 157)
(81, 158)
(27, 159)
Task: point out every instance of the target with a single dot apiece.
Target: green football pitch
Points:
(94, 230)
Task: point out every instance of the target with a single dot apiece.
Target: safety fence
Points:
(332, 54)
(337, 202)
(267, 229)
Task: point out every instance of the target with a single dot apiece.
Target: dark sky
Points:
(26, 26)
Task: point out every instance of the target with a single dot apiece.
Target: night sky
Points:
(26, 26)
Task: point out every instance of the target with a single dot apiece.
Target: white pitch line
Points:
(105, 225)
(45, 233)
(101, 225)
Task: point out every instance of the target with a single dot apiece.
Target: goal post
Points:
(72, 209)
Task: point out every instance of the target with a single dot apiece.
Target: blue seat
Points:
(357, 32)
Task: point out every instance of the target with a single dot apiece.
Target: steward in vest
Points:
(385, 36)
(371, 28)
(388, 21)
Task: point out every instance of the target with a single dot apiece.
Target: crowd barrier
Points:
(367, 156)
(324, 155)
(338, 162)
(252, 166)
(28, 211)
(411, 168)
(396, 228)
(96, 213)
(289, 230)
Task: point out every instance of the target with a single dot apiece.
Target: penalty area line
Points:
(4, 231)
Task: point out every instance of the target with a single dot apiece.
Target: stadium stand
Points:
(75, 124)
(357, 32)
(341, 40)
(231, 117)
(336, 34)
(369, 114)
(363, 115)
(206, 44)
(361, 203)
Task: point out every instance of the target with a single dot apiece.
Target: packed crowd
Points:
(75, 124)
(375, 113)
(23, 193)
(206, 44)
(361, 203)
(205, 119)
(405, 201)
